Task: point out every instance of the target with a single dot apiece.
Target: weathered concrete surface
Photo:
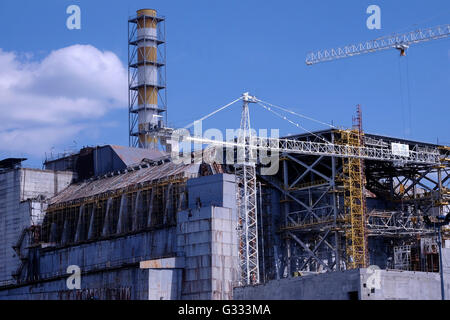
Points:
(207, 238)
(363, 284)
(401, 285)
(164, 263)
(164, 284)
(147, 264)
(19, 208)
(446, 258)
(325, 286)
(405, 285)
(129, 283)
(164, 277)
(110, 268)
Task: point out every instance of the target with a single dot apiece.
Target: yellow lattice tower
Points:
(354, 204)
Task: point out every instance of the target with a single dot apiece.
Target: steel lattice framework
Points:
(381, 153)
(354, 204)
(312, 203)
(246, 200)
(322, 190)
(396, 41)
(146, 79)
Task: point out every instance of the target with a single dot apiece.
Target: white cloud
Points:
(49, 102)
(36, 141)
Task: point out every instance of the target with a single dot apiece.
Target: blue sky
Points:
(215, 51)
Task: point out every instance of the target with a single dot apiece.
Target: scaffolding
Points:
(402, 257)
(354, 203)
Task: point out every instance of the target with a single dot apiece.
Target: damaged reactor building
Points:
(348, 215)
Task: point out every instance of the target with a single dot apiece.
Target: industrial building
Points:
(348, 215)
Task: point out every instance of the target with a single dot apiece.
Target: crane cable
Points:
(260, 102)
(402, 97)
(408, 92)
(298, 114)
(405, 97)
(213, 113)
(292, 122)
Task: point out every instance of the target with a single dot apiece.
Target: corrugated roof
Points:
(91, 188)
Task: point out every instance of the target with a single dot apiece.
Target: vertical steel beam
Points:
(337, 241)
(286, 214)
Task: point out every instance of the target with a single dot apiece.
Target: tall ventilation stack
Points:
(147, 80)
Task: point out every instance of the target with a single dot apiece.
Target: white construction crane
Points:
(247, 147)
(400, 42)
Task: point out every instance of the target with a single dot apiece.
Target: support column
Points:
(150, 207)
(108, 219)
(122, 223)
(337, 241)
(286, 213)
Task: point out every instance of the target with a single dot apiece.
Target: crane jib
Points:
(326, 149)
(396, 41)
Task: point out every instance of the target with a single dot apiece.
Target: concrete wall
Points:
(206, 237)
(130, 283)
(17, 189)
(35, 182)
(210, 249)
(326, 286)
(111, 265)
(197, 259)
(164, 284)
(165, 278)
(402, 285)
(363, 284)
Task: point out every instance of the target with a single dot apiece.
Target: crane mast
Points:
(246, 199)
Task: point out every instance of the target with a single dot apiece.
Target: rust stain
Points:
(150, 264)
